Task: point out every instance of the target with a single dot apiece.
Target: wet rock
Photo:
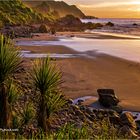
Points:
(135, 117)
(127, 119)
(95, 111)
(91, 118)
(43, 28)
(79, 102)
(117, 108)
(100, 115)
(115, 119)
(82, 117)
(79, 113)
(75, 107)
(135, 24)
(69, 21)
(103, 111)
(111, 112)
(107, 97)
(82, 108)
(127, 132)
(70, 101)
(89, 111)
(138, 125)
(110, 24)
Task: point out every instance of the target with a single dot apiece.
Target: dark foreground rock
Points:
(127, 119)
(127, 132)
(96, 119)
(107, 97)
(124, 124)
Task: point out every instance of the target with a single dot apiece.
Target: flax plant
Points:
(47, 78)
(10, 61)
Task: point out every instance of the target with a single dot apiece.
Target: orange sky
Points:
(109, 8)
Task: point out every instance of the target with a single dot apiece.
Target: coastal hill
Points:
(16, 12)
(56, 8)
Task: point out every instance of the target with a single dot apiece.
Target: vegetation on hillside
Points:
(56, 8)
(14, 12)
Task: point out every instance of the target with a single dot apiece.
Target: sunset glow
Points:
(110, 8)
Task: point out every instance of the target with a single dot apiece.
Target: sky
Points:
(109, 8)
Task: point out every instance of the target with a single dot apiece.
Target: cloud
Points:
(109, 8)
(110, 4)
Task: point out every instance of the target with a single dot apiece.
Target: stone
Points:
(82, 108)
(75, 107)
(127, 119)
(78, 113)
(117, 108)
(115, 119)
(69, 20)
(79, 102)
(95, 110)
(70, 101)
(82, 117)
(91, 118)
(138, 124)
(89, 111)
(110, 24)
(43, 28)
(107, 97)
(127, 132)
(100, 115)
(112, 112)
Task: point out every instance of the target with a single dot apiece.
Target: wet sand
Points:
(48, 49)
(83, 76)
(99, 35)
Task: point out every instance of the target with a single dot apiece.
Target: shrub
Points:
(69, 131)
(27, 114)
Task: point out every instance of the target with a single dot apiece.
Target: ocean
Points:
(117, 21)
(128, 49)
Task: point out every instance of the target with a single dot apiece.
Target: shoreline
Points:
(83, 76)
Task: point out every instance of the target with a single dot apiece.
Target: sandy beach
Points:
(83, 76)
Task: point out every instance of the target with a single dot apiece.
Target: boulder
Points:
(110, 24)
(127, 132)
(69, 20)
(127, 119)
(43, 28)
(107, 97)
(135, 24)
